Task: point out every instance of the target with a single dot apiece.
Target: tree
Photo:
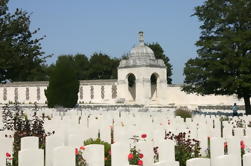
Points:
(82, 66)
(159, 54)
(114, 67)
(63, 84)
(102, 67)
(20, 52)
(223, 65)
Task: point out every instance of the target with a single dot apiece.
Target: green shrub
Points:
(183, 113)
(224, 118)
(63, 84)
(107, 147)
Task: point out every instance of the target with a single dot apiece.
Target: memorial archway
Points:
(154, 85)
(132, 85)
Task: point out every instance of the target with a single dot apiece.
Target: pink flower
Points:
(7, 154)
(242, 145)
(130, 156)
(110, 152)
(143, 135)
(140, 162)
(141, 155)
(76, 151)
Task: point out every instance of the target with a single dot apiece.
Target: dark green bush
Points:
(63, 84)
(183, 113)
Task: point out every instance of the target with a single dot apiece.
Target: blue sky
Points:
(111, 27)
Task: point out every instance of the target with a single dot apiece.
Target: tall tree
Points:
(159, 54)
(63, 84)
(114, 67)
(82, 66)
(102, 67)
(21, 57)
(223, 65)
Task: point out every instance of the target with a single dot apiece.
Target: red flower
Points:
(76, 151)
(82, 148)
(141, 155)
(7, 154)
(242, 145)
(130, 156)
(143, 135)
(225, 144)
(140, 162)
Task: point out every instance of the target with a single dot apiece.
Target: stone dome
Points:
(141, 52)
(141, 55)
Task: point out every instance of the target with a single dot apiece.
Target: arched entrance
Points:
(154, 85)
(132, 85)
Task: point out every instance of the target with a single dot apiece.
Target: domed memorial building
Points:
(141, 76)
(141, 80)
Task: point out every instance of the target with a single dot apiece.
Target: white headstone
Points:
(247, 159)
(75, 140)
(227, 132)
(166, 151)
(120, 153)
(234, 150)
(6, 146)
(64, 156)
(216, 149)
(95, 155)
(146, 148)
(198, 162)
(34, 157)
(224, 160)
(248, 131)
(51, 143)
(29, 143)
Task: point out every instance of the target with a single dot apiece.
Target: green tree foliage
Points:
(223, 65)
(21, 57)
(99, 66)
(114, 67)
(82, 66)
(159, 54)
(102, 67)
(63, 84)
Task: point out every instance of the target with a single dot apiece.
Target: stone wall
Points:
(90, 91)
(107, 92)
(174, 95)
